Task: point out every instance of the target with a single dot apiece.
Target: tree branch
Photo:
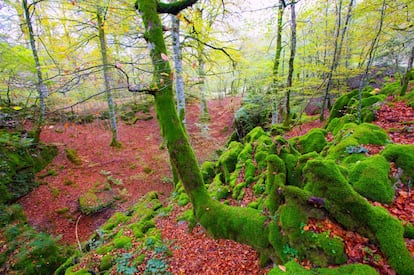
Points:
(174, 7)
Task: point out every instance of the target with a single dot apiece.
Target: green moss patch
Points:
(403, 156)
(370, 179)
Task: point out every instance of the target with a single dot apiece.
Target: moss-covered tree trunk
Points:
(276, 64)
(277, 230)
(291, 60)
(240, 224)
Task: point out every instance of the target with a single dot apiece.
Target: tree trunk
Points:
(178, 64)
(220, 220)
(371, 54)
(337, 52)
(41, 88)
(291, 61)
(276, 65)
(407, 74)
(274, 228)
(100, 15)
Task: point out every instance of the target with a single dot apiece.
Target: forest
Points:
(207, 137)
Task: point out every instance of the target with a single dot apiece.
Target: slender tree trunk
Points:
(41, 88)
(371, 54)
(407, 74)
(334, 61)
(291, 61)
(201, 73)
(100, 15)
(178, 64)
(276, 65)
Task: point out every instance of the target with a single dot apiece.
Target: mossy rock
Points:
(208, 171)
(72, 156)
(324, 180)
(92, 202)
(313, 141)
(370, 179)
(255, 111)
(294, 268)
(255, 134)
(336, 124)
(365, 133)
(228, 160)
(122, 242)
(20, 160)
(115, 220)
(217, 189)
(391, 88)
(403, 156)
(340, 107)
(106, 262)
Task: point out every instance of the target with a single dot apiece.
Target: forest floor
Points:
(143, 166)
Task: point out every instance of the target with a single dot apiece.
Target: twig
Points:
(76, 233)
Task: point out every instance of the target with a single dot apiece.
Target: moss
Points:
(249, 171)
(106, 262)
(391, 88)
(82, 271)
(115, 220)
(264, 144)
(255, 134)
(292, 216)
(369, 101)
(188, 216)
(183, 199)
(336, 124)
(228, 160)
(409, 231)
(364, 133)
(104, 249)
(294, 268)
(370, 179)
(246, 152)
(340, 106)
(276, 176)
(403, 156)
(355, 213)
(123, 242)
(260, 158)
(238, 191)
(217, 189)
(313, 141)
(72, 156)
(245, 225)
(208, 171)
(90, 203)
(296, 178)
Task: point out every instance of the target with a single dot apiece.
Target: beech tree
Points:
(40, 86)
(100, 17)
(287, 206)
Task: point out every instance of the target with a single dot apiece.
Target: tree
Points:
(339, 39)
(178, 64)
(291, 60)
(276, 64)
(370, 56)
(100, 17)
(327, 187)
(40, 86)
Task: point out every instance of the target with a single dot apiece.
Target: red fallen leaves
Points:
(398, 120)
(196, 253)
